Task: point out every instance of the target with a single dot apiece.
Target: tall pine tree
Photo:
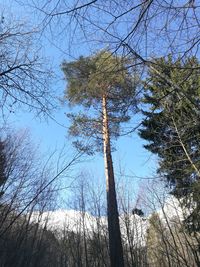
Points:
(104, 86)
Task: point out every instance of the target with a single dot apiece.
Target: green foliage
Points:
(171, 126)
(88, 80)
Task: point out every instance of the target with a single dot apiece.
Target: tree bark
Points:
(115, 242)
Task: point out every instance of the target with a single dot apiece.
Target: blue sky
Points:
(130, 154)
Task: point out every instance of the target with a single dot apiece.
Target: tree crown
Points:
(89, 79)
(171, 126)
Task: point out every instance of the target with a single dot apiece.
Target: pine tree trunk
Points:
(115, 243)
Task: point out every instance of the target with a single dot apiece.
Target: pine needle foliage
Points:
(171, 125)
(88, 80)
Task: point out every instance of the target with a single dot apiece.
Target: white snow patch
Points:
(133, 227)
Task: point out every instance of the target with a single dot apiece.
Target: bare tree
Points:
(25, 77)
(168, 241)
(147, 27)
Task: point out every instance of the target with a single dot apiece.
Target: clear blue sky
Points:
(130, 154)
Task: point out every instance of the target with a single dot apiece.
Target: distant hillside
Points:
(78, 222)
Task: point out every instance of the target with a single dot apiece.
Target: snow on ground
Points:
(71, 220)
(133, 227)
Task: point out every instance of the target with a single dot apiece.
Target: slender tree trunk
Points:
(115, 243)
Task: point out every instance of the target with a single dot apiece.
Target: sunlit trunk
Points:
(115, 243)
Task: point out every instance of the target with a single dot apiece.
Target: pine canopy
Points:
(91, 78)
(172, 122)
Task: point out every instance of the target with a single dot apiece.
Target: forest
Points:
(100, 133)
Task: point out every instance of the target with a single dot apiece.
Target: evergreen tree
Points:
(171, 125)
(103, 85)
